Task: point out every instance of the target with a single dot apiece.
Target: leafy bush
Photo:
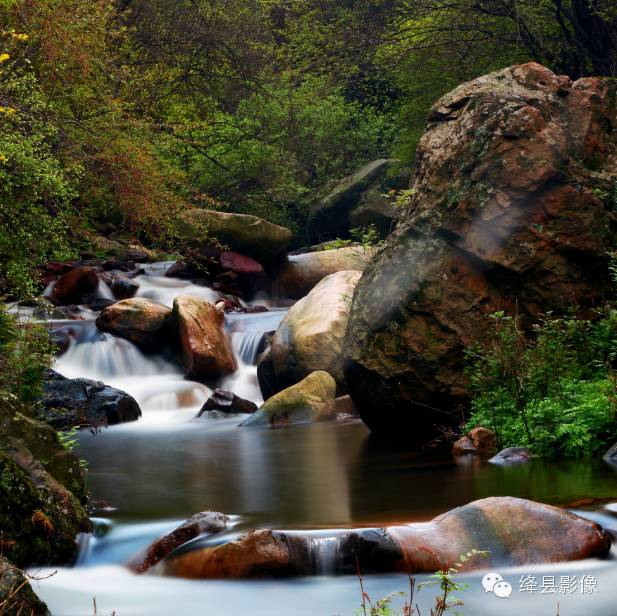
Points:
(551, 389)
(26, 352)
(35, 190)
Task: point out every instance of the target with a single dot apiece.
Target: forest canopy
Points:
(115, 116)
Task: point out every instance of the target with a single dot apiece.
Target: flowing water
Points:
(153, 474)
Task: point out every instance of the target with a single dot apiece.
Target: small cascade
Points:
(103, 291)
(165, 290)
(322, 553)
(248, 330)
(102, 357)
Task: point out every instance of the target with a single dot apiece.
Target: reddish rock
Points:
(203, 346)
(510, 211)
(480, 441)
(75, 287)
(513, 532)
(206, 522)
(249, 275)
(262, 553)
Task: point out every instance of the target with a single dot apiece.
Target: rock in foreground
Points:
(206, 522)
(16, 595)
(312, 399)
(514, 531)
(510, 211)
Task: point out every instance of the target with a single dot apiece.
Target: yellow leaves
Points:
(4, 57)
(8, 110)
(16, 36)
(3, 159)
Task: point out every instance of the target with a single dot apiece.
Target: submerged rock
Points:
(303, 272)
(248, 235)
(508, 213)
(204, 349)
(76, 402)
(75, 287)
(512, 531)
(310, 337)
(206, 522)
(140, 320)
(312, 399)
(227, 402)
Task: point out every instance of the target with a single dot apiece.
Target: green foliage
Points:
(551, 389)
(35, 190)
(366, 236)
(26, 353)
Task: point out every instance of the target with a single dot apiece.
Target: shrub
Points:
(552, 388)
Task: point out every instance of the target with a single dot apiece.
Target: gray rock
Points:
(512, 455)
(73, 402)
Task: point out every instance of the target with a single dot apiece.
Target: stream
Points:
(152, 474)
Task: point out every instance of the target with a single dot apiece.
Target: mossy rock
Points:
(248, 235)
(14, 602)
(39, 517)
(312, 399)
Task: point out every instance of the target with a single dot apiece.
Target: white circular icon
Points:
(502, 589)
(489, 581)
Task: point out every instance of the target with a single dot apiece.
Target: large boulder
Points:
(248, 235)
(511, 210)
(330, 214)
(77, 286)
(140, 320)
(75, 402)
(312, 399)
(512, 531)
(310, 337)
(301, 273)
(203, 346)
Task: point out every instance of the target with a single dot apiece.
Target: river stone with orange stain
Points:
(140, 320)
(512, 531)
(479, 441)
(511, 210)
(261, 553)
(203, 346)
(205, 522)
